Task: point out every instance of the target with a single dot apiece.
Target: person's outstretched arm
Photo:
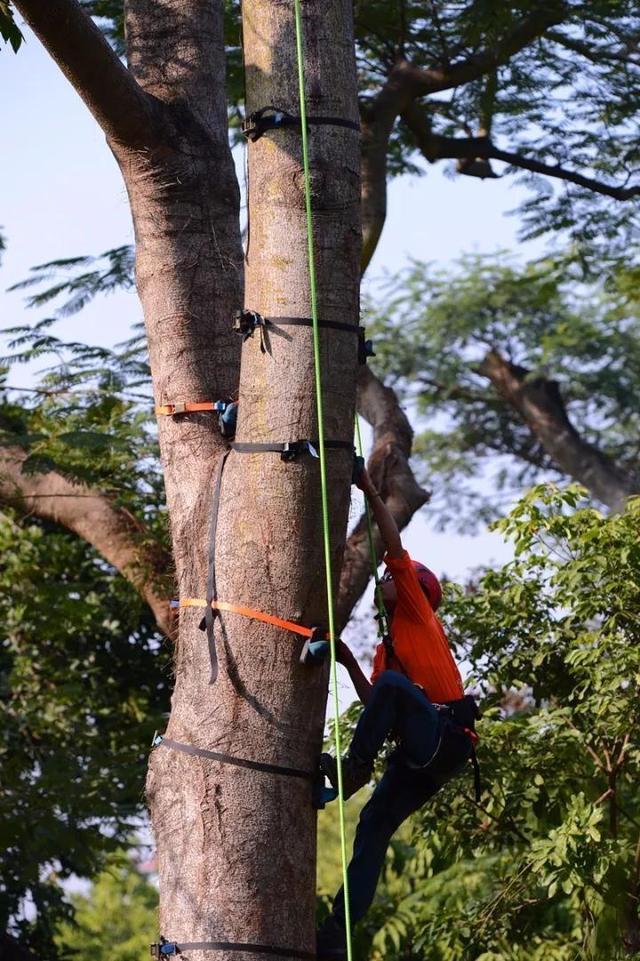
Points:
(386, 524)
(345, 657)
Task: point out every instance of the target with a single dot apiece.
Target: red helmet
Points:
(429, 583)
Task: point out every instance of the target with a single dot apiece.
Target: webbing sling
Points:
(323, 467)
(292, 626)
(246, 322)
(289, 450)
(271, 118)
(162, 741)
(190, 407)
(167, 948)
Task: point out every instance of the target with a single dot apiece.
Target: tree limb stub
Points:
(123, 110)
(539, 401)
(113, 532)
(392, 474)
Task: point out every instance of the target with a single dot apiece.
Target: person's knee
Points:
(390, 681)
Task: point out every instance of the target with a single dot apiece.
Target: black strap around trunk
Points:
(308, 322)
(290, 449)
(168, 948)
(162, 741)
(271, 118)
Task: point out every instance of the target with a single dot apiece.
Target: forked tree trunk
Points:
(236, 848)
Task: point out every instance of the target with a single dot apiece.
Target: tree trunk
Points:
(236, 846)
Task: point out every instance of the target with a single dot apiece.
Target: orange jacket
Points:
(418, 638)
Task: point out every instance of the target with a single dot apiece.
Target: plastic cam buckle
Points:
(293, 449)
(315, 649)
(163, 949)
(246, 321)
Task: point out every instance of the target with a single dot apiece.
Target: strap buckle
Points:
(267, 118)
(315, 649)
(245, 322)
(365, 347)
(178, 408)
(292, 449)
(227, 418)
(163, 948)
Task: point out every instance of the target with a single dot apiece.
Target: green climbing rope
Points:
(323, 466)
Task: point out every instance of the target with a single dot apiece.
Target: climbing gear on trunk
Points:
(227, 411)
(271, 118)
(288, 451)
(211, 592)
(164, 948)
(291, 449)
(314, 651)
(246, 322)
(322, 795)
(247, 612)
(161, 741)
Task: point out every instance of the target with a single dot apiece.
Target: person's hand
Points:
(364, 482)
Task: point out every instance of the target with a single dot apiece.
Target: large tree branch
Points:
(434, 147)
(405, 83)
(392, 474)
(424, 81)
(539, 402)
(114, 533)
(123, 110)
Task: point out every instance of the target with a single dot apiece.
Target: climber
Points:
(416, 698)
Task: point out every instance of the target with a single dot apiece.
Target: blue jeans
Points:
(395, 706)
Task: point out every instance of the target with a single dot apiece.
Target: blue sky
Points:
(61, 195)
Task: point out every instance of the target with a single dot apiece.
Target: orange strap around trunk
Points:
(187, 408)
(250, 612)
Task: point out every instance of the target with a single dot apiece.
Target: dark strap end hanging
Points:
(211, 595)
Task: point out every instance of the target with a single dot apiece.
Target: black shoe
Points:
(355, 773)
(331, 940)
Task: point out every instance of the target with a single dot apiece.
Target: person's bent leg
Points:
(399, 794)
(397, 706)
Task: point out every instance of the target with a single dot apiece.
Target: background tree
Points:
(120, 911)
(516, 373)
(83, 685)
